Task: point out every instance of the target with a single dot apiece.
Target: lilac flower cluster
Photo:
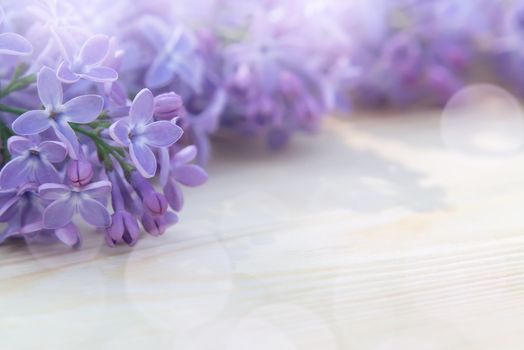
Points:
(71, 138)
(239, 67)
(415, 52)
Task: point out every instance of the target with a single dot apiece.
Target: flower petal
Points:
(162, 134)
(16, 172)
(174, 195)
(159, 74)
(49, 88)
(165, 166)
(171, 218)
(185, 155)
(143, 158)
(98, 190)
(54, 151)
(142, 107)
(31, 123)
(14, 44)
(94, 213)
(54, 191)
(8, 198)
(94, 50)
(100, 74)
(69, 235)
(190, 175)
(59, 213)
(18, 145)
(83, 109)
(64, 132)
(119, 131)
(65, 75)
(45, 172)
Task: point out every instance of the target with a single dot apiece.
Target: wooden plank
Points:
(374, 234)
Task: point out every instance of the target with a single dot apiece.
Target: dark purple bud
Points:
(155, 226)
(124, 228)
(80, 172)
(155, 203)
(158, 225)
(168, 106)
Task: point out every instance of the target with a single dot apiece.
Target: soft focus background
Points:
(396, 226)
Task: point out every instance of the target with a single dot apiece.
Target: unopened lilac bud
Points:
(80, 172)
(155, 203)
(124, 227)
(158, 225)
(168, 106)
(155, 226)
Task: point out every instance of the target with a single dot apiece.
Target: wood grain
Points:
(372, 235)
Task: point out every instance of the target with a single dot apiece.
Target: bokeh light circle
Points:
(483, 121)
(179, 290)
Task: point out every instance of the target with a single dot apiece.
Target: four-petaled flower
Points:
(66, 201)
(12, 43)
(87, 63)
(185, 173)
(139, 133)
(32, 162)
(57, 115)
(177, 56)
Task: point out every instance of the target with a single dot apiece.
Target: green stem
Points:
(17, 84)
(12, 110)
(5, 133)
(104, 149)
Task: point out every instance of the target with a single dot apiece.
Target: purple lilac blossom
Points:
(89, 142)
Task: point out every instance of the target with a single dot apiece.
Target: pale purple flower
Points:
(32, 162)
(56, 114)
(12, 43)
(22, 209)
(66, 201)
(140, 133)
(185, 173)
(177, 55)
(88, 63)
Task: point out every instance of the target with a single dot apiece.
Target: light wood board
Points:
(373, 235)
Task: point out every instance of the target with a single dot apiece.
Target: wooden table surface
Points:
(379, 234)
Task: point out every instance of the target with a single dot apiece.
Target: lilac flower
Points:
(32, 162)
(21, 208)
(12, 43)
(87, 63)
(58, 115)
(124, 226)
(177, 55)
(185, 173)
(140, 133)
(66, 201)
